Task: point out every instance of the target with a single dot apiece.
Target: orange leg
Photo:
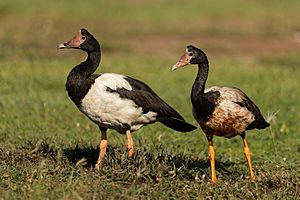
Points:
(211, 152)
(103, 145)
(247, 154)
(129, 143)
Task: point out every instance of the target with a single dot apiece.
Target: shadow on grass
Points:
(147, 163)
(159, 157)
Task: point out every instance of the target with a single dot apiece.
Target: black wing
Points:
(144, 97)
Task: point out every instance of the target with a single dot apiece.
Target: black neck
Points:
(199, 84)
(79, 80)
(203, 103)
(89, 66)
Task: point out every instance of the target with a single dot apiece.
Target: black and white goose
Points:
(115, 101)
(220, 111)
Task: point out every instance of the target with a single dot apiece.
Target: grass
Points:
(48, 148)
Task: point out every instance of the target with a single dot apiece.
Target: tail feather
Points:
(258, 124)
(178, 125)
(262, 125)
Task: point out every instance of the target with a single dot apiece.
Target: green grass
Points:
(44, 138)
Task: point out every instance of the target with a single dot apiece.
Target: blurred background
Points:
(234, 28)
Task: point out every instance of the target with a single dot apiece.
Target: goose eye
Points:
(83, 37)
(190, 54)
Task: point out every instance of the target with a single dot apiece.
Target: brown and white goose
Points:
(115, 101)
(220, 111)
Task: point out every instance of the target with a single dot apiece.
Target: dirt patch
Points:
(223, 46)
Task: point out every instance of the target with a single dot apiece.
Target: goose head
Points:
(192, 55)
(82, 40)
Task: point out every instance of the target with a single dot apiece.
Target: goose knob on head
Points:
(115, 101)
(220, 111)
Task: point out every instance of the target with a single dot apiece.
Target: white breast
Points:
(109, 109)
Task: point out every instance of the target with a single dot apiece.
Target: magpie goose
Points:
(220, 111)
(115, 101)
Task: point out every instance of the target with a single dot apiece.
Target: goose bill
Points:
(184, 60)
(74, 43)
